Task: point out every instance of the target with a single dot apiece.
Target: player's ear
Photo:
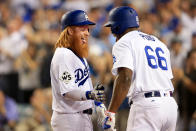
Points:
(69, 31)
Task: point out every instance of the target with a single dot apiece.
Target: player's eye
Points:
(84, 28)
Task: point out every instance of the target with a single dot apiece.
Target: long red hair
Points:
(64, 39)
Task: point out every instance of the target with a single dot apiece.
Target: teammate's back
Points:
(151, 61)
(143, 73)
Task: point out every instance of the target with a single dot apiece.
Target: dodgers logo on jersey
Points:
(66, 77)
(81, 76)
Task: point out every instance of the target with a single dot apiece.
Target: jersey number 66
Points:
(152, 62)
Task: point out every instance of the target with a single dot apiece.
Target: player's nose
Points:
(87, 32)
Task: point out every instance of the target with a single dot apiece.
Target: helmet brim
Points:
(87, 22)
(108, 24)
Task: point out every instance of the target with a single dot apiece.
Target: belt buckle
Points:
(153, 94)
(165, 94)
(168, 93)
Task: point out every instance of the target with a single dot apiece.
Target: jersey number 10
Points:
(152, 62)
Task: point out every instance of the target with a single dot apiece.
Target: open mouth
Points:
(84, 41)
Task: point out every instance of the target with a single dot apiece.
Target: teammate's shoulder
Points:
(158, 40)
(125, 39)
(146, 36)
(133, 34)
(130, 37)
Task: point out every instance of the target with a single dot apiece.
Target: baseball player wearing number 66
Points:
(141, 63)
(72, 89)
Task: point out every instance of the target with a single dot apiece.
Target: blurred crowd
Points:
(30, 28)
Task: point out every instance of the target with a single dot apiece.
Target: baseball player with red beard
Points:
(141, 63)
(72, 89)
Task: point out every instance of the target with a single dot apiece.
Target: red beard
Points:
(81, 49)
(80, 43)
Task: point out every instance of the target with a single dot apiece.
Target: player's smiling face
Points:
(82, 32)
(80, 40)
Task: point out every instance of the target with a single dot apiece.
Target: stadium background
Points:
(30, 28)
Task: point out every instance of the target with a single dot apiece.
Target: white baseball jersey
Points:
(69, 72)
(148, 58)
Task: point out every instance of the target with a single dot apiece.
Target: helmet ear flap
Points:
(115, 29)
(118, 29)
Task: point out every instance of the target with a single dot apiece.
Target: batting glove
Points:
(109, 121)
(96, 94)
(100, 111)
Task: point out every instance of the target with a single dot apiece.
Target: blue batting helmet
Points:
(121, 18)
(75, 18)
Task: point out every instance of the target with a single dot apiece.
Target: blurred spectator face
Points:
(146, 27)
(176, 46)
(194, 11)
(153, 18)
(5, 12)
(164, 4)
(185, 5)
(165, 16)
(95, 14)
(14, 24)
(39, 19)
(31, 50)
(178, 28)
(37, 97)
(52, 16)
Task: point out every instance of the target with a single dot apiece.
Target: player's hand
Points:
(96, 94)
(100, 111)
(109, 121)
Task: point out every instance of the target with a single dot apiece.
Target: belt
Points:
(155, 94)
(88, 111)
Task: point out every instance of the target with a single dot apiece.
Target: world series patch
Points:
(66, 77)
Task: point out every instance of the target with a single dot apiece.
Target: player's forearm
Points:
(121, 88)
(76, 95)
(79, 95)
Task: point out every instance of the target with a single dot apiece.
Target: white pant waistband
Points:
(152, 94)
